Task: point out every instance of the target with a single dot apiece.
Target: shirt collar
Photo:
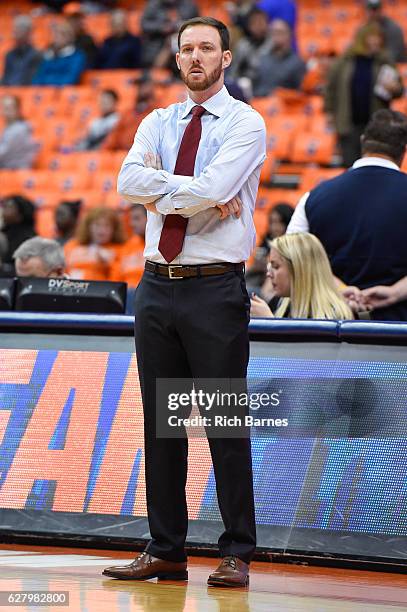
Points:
(215, 105)
(375, 161)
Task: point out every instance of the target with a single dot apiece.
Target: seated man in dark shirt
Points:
(122, 49)
(282, 67)
(22, 60)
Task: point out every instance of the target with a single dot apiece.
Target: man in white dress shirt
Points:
(360, 217)
(195, 166)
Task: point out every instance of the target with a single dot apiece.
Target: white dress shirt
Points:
(231, 152)
(299, 221)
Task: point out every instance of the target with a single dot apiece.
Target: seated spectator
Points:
(357, 87)
(393, 34)
(250, 48)
(303, 282)
(122, 135)
(239, 11)
(82, 39)
(160, 23)
(17, 146)
(22, 60)
(94, 251)
(18, 224)
(66, 219)
(40, 257)
(130, 267)
(63, 63)
(122, 49)
(256, 278)
(281, 9)
(282, 67)
(99, 128)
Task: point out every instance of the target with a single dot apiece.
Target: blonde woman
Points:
(301, 276)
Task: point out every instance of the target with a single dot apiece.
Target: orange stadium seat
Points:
(54, 133)
(45, 198)
(317, 149)
(50, 198)
(116, 201)
(10, 181)
(260, 221)
(72, 95)
(269, 106)
(160, 75)
(45, 222)
(134, 19)
(292, 101)
(56, 161)
(98, 25)
(33, 179)
(262, 200)
(267, 169)
(91, 198)
(314, 105)
(37, 97)
(69, 181)
(400, 104)
(310, 47)
(319, 125)
(311, 177)
(341, 42)
(276, 195)
(111, 79)
(104, 181)
(293, 123)
(279, 143)
(170, 94)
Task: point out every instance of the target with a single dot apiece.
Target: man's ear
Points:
(226, 59)
(177, 61)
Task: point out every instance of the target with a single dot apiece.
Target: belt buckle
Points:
(171, 272)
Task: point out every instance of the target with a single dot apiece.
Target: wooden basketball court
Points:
(273, 587)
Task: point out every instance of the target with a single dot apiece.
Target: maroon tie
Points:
(175, 226)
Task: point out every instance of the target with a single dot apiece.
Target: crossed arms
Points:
(143, 181)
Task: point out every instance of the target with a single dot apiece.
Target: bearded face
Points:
(197, 79)
(201, 60)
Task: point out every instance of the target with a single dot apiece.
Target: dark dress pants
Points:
(193, 328)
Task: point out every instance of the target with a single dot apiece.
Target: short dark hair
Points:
(386, 134)
(284, 210)
(208, 21)
(256, 11)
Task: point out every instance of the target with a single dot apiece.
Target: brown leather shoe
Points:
(146, 566)
(232, 572)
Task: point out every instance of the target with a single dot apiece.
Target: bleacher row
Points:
(299, 140)
(323, 26)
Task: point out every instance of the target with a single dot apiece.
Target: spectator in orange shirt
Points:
(97, 245)
(130, 267)
(122, 135)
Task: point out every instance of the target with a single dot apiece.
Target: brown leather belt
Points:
(178, 271)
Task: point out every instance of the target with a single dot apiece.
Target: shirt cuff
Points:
(176, 180)
(164, 205)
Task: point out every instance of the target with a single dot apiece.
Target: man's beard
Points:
(206, 83)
